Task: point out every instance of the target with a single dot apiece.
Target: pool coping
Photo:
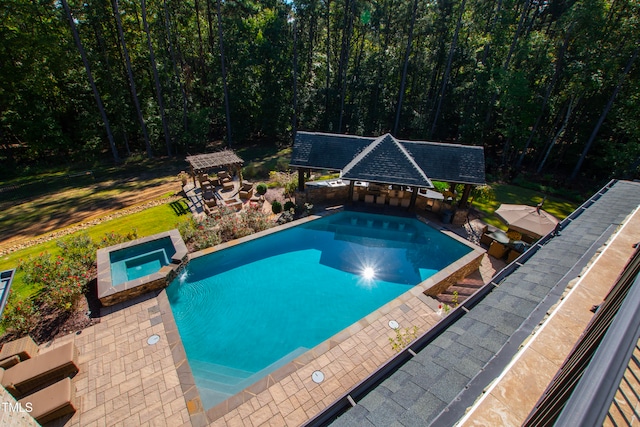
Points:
(202, 417)
(110, 295)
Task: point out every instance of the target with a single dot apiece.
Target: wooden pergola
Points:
(204, 163)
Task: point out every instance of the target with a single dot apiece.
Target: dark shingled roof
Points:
(446, 377)
(388, 158)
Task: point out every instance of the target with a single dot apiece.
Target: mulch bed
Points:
(55, 323)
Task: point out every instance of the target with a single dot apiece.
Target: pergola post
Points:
(414, 196)
(351, 186)
(300, 179)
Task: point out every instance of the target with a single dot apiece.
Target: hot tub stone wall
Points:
(110, 295)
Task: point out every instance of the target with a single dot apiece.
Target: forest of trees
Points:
(548, 87)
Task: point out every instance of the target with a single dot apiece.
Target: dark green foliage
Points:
(288, 205)
(261, 188)
(276, 207)
(530, 85)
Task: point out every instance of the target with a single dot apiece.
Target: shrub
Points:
(113, 238)
(284, 179)
(276, 207)
(289, 205)
(255, 219)
(206, 239)
(188, 229)
(20, 316)
(261, 189)
(79, 249)
(287, 216)
(62, 280)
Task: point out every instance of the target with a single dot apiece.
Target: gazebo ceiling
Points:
(204, 162)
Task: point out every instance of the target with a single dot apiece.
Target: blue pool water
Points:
(244, 311)
(140, 260)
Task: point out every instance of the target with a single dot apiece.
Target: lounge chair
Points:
(14, 351)
(368, 198)
(393, 201)
(381, 199)
(246, 191)
(40, 371)
(51, 402)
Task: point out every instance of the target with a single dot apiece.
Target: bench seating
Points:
(40, 371)
(51, 402)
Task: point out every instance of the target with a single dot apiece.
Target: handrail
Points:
(590, 401)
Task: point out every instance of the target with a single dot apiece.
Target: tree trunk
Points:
(547, 94)
(407, 54)
(224, 76)
(156, 80)
(200, 50)
(344, 57)
(512, 48)
(556, 136)
(132, 84)
(587, 146)
(326, 86)
(176, 72)
(445, 78)
(96, 94)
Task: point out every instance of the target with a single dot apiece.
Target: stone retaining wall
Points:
(466, 269)
(320, 195)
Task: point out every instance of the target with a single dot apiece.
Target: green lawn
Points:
(505, 193)
(150, 221)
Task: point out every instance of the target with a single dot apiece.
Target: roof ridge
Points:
(387, 138)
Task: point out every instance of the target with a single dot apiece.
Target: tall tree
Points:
(156, 80)
(94, 89)
(224, 75)
(132, 83)
(403, 80)
(603, 116)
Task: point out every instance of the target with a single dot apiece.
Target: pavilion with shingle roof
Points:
(387, 160)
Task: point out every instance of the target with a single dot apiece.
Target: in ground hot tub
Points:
(139, 266)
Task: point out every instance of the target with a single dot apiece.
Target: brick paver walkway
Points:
(122, 379)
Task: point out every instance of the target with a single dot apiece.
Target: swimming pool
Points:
(244, 311)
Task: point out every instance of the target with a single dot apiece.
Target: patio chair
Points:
(381, 200)
(246, 191)
(203, 177)
(368, 198)
(497, 250)
(52, 402)
(227, 186)
(223, 176)
(40, 371)
(393, 201)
